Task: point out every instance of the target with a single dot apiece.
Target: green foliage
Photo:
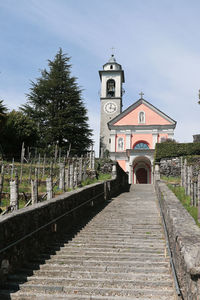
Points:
(3, 112)
(167, 150)
(18, 128)
(171, 179)
(185, 200)
(55, 104)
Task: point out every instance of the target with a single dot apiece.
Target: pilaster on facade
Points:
(128, 139)
(155, 138)
(113, 140)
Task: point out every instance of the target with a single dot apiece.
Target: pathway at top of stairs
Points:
(119, 254)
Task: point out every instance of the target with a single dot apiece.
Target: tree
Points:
(3, 111)
(18, 128)
(55, 104)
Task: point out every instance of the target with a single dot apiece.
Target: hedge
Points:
(167, 150)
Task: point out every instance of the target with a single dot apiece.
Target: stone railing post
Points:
(14, 194)
(62, 176)
(49, 188)
(156, 172)
(114, 171)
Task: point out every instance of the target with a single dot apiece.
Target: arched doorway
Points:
(141, 175)
(141, 170)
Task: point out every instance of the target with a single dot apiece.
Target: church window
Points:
(141, 117)
(120, 144)
(141, 145)
(111, 67)
(111, 88)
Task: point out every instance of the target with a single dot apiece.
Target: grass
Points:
(170, 179)
(172, 183)
(185, 200)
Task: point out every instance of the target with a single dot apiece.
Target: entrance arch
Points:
(141, 170)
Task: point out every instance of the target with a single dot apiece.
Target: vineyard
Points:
(29, 182)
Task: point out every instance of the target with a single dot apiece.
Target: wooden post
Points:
(185, 174)
(182, 172)
(71, 182)
(44, 162)
(51, 169)
(80, 175)
(66, 178)
(75, 174)
(39, 165)
(30, 171)
(12, 169)
(192, 193)
(22, 160)
(34, 188)
(1, 181)
(14, 193)
(84, 169)
(198, 197)
(93, 159)
(56, 153)
(49, 187)
(188, 180)
(62, 176)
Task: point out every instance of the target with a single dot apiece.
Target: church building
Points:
(130, 135)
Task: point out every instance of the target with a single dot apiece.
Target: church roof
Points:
(120, 120)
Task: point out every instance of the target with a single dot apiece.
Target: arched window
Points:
(120, 144)
(141, 117)
(141, 145)
(111, 88)
(111, 67)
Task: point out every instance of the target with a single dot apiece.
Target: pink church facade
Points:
(133, 136)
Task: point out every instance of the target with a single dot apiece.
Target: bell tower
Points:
(112, 78)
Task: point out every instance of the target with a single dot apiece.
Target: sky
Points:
(157, 42)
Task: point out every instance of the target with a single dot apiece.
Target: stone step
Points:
(108, 263)
(145, 276)
(34, 269)
(128, 250)
(99, 291)
(117, 245)
(107, 256)
(119, 254)
(5, 295)
(100, 283)
(111, 253)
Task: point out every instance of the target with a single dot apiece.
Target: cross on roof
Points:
(141, 94)
(112, 50)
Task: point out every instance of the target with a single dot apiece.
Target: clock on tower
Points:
(112, 78)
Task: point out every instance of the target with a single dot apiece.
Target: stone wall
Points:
(170, 167)
(184, 238)
(25, 232)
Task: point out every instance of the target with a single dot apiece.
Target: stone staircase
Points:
(119, 254)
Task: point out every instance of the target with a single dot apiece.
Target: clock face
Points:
(110, 107)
